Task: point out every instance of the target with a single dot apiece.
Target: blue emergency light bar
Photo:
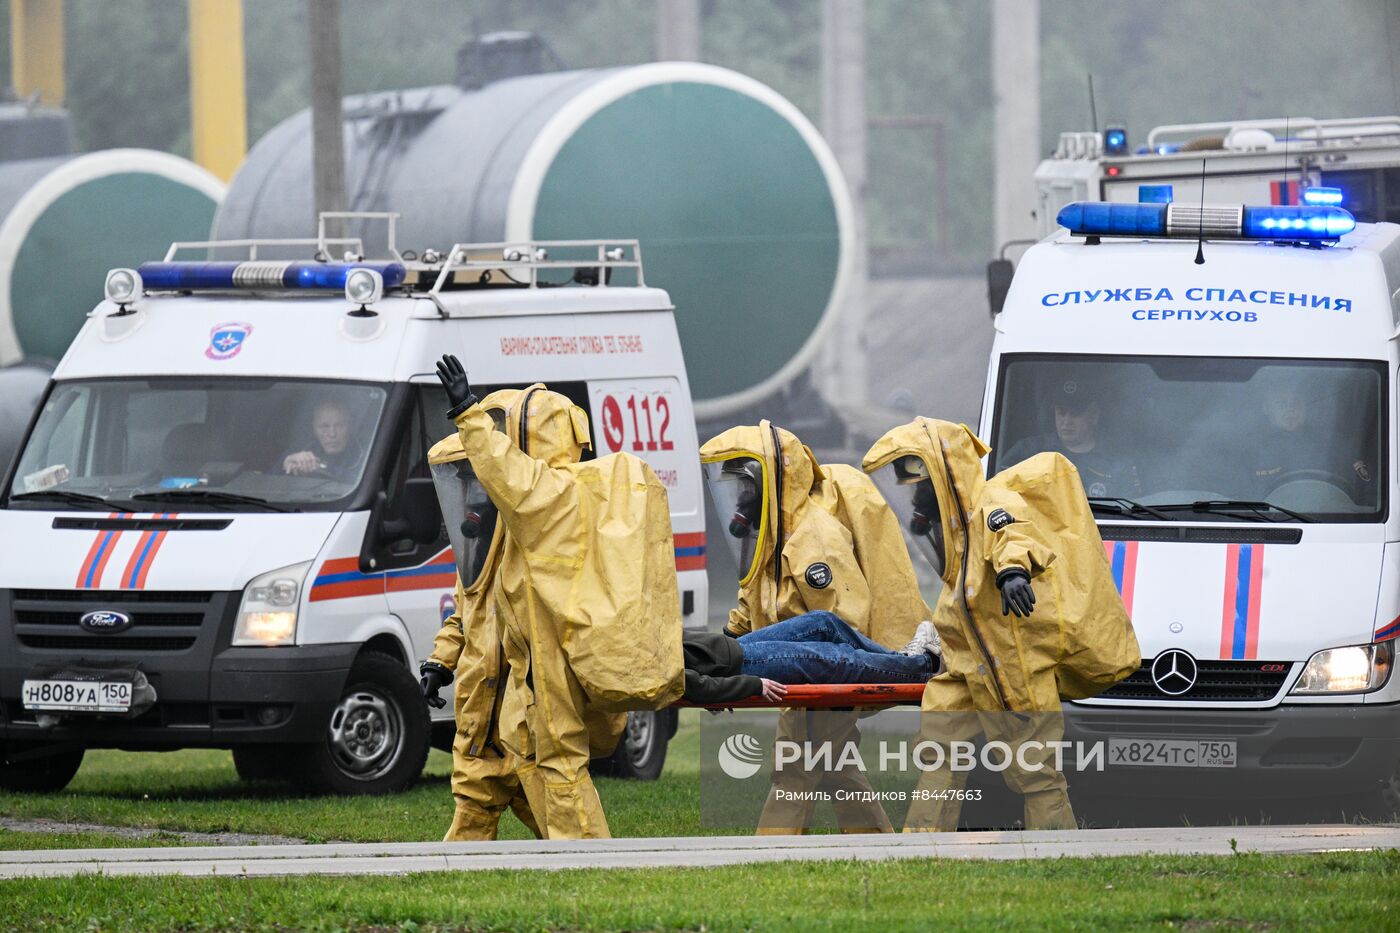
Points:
(1232, 221)
(197, 276)
(1155, 194)
(1321, 195)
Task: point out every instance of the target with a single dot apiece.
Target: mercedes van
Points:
(1224, 377)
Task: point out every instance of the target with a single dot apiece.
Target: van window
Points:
(1305, 435)
(58, 438)
(408, 464)
(438, 425)
(153, 444)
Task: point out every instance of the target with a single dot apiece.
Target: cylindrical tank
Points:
(740, 208)
(29, 130)
(66, 220)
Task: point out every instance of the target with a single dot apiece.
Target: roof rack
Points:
(522, 261)
(1314, 130)
(517, 263)
(322, 242)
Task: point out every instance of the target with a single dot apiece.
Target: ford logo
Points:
(105, 621)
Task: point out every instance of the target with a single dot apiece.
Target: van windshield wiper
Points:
(211, 496)
(1237, 508)
(1120, 506)
(63, 495)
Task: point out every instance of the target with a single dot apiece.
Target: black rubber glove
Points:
(1016, 593)
(454, 380)
(432, 677)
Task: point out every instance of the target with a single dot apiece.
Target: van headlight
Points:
(268, 613)
(1354, 669)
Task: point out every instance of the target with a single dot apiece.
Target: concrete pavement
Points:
(405, 857)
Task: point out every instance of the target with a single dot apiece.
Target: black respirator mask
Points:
(749, 507)
(480, 519)
(925, 516)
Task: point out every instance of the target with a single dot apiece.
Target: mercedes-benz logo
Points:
(1174, 672)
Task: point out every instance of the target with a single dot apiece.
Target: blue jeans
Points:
(819, 648)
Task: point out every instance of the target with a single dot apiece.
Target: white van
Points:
(1225, 379)
(221, 530)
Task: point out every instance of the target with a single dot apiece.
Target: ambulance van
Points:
(222, 531)
(1225, 379)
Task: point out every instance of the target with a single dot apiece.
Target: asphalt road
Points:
(402, 858)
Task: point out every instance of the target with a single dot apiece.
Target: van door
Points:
(418, 578)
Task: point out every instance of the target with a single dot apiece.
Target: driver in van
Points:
(331, 449)
(1076, 436)
(1293, 448)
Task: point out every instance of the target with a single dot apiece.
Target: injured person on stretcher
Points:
(813, 648)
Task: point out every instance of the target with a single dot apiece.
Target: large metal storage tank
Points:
(65, 220)
(742, 213)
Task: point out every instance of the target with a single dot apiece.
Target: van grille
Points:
(1200, 534)
(105, 643)
(168, 620)
(1216, 681)
(93, 599)
(138, 619)
(1169, 723)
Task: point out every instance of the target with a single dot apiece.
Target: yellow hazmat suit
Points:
(586, 593)
(825, 539)
(1077, 642)
(484, 782)
(828, 515)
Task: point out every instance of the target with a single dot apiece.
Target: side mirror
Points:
(999, 273)
(419, 522)
(420, 511)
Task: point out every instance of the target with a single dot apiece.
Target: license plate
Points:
(80, 696)
(1171, 753)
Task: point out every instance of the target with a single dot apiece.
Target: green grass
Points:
(198, 790)
(13, 840)
(1333, 891)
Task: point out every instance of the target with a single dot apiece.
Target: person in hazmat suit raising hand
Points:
(1028, 614)
(469, 645)
(585, 593)
(808, 537)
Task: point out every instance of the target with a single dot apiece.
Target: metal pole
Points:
(1016, 134)
(843, 377)
(218, 106)
(327, 124)
(678, 32)
(36, 49)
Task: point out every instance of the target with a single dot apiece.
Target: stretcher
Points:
(827, 696)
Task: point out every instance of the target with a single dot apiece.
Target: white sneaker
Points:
(925, 639)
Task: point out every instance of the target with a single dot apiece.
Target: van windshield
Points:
(176, 444)
(1307, 437)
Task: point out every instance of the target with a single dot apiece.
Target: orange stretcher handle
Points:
(826, 696)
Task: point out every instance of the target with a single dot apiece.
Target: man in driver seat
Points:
(331, 448)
